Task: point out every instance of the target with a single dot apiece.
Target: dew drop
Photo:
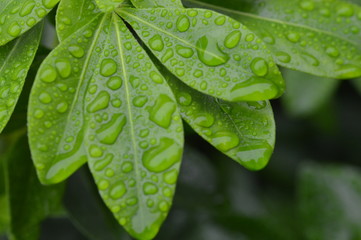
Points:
(184, 99)
(64, 67)
(308, 5)
(332, 52)
(118, 191)
(45, 97)
(150, 188)
(225, 141)
(204, 120)
(259, 67)
(233, 39)
(184, 51)
(100, 102)
(162, 111)
(183, 23)
(48, 74)
(95, 151)
(109, 132)
(27, 8)
(101, 164)
(156, 77)
(14, 29)
(114, 83)
(108, 67)
(156, 43)
(293, 37)
(76, 51)
(127, 167)
(163, 156)
(62, 107)
(348, 71)
(50, 3)
(140, 101)
(103, 185)
(209, 52)
(283, 57)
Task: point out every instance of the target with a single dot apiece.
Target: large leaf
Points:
(135, 135)
(15, 60)
(330, 199)
(72, 15)
(18, 16)
(318, 37)
(55, 115)
(209, 52)
(306, 93)
(244, 131)
(157, 3)
(29, 201)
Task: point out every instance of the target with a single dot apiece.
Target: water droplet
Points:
(156, 43)
(100, 102)
(76, 51)
(140, 101)
(156, 77)
(114, 83)
(163, 156)
(39, 113)
(348, 71)
(184, 51)
(345, 11)
(118, 191)
(164, 206)
(310, 59)
(184, 99)
(307, 5)
(209, 52)
(48, 74)
(109, 132)
(332, 52)
(50, 3)
(204, 120)
(167, 55)
(283, 57)
(127, 167)
(14, 29)
(101, 164)
(259, 67)
(162, 111)
(232, 40)
(225, 141)
(27, 8)
(220, 20)
(108, 67)
(64, 67)
(254, 89)
(150, 188)
(293, 37)
(62, 107)
(95, 151)
(183, 23)
(45, 97)
(103, 185)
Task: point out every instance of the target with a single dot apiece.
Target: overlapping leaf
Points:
(157, 3)
(244, 131)
(15, 60)
(209, 52)
(318, 37)
(18, 16)
(28, 201)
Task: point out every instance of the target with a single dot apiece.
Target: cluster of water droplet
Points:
(17, 18)
(209, 51)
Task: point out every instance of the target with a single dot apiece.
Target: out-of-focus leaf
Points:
(357, 84)
(157, 3)
(29, 201)
(18, 16)
(330, 200)
(244, 131)
(210, 52)
(318, 37)
(15, 60)
(98, 223)
(305, 94)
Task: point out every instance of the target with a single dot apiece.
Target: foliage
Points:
(114, 91)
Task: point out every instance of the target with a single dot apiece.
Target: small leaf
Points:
(209, 52)
(135, 134)
(72, 15)
(55, 113)
(29, 201)
(316, 37)
(244, 131)
(330, 197)
(15, 60)
(305, 93)
(157, 3)
(18, 16)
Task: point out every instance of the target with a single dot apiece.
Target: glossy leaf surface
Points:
(135, 134)
(330, 197)
(18, 16)
(72, 15)
(305, 94)
(317, 37)
(55, 116)
(244, 131)
(209, 52)
(157, 3)
(15, 60)
(29, 201)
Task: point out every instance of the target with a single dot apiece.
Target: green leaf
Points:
(15, 60)
(29, 201)
(244, 131)
(330, 197)
(305, 94)
(209, 52)
(157, 3)
(55, 113)
(135, 134)
(317, 37)
(72, 15)
(18, 16)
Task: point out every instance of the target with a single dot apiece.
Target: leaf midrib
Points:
(130, 114)
(254, 16)
(170, 34)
